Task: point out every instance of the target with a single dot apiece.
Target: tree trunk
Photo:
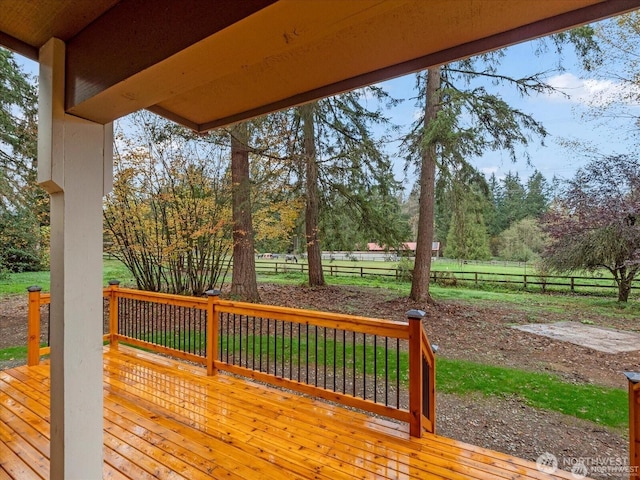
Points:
(243, 281)
(422, 268)
(624, 283)
(314, 254)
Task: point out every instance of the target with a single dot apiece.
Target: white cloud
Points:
(591, 92)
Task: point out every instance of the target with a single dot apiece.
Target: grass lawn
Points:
(602, 405)
(19, 282)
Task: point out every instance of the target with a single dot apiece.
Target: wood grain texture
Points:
(168, 419)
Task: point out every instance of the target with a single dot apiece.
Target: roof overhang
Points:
(209, 63)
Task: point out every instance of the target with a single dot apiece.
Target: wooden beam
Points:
(137, 34)
(527, 32)
(18, 46)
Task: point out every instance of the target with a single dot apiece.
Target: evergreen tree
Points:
(467, 238)
(345, 172)
(23, 205)
(463, 119)
(537, 195)
(510, 203)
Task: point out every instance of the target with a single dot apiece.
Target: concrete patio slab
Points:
(601, 339)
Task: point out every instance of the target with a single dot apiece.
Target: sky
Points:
(562, 114)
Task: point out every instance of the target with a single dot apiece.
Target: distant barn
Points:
(407, 249)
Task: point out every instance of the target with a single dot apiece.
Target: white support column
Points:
(74, 158)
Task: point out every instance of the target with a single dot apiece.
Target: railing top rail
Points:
(374, 326)
(163, 298)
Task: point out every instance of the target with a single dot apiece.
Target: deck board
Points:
(166, 419)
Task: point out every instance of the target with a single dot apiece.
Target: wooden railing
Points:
(634, 422)
(381, 366)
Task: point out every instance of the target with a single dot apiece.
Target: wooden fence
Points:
(381, 366)
(573, 284)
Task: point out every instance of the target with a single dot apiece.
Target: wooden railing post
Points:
(33, 337)
(415, 372)
(634, 422)
(212, 330)
(114, 286)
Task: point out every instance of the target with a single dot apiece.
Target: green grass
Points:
(19, 282)
(602, 405)
(318, 352)
(190, 340)
(13, 353)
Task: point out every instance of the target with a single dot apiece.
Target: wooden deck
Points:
(165, 419)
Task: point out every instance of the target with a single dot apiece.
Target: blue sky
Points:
(565, 115)
(562, 115)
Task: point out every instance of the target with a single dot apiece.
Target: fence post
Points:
(114, 286)
(415, 372)
(573, 285)
(634, 422)
(213, 321)
(33, 338)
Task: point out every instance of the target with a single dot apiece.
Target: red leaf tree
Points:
(595, 224)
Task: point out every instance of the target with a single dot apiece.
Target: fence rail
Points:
(381, 366)
(540, 282)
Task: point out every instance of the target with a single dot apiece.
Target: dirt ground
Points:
(478, 331)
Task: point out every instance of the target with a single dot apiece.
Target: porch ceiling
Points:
(206, 64)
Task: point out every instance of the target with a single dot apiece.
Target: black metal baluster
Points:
(375, 368)
(187, 332)
(182, 334)
(138, 314)
(354, 363)
(324, 356)
(240, 340)
(386, 371)
(275, 347)
(364, 365)
(344, 361)
(200, 337)
(397, 373)
(299, 350)
(123, 313)
(268, 343)
(335, 355)
(284, 342)
(253, 350)
(316, 358)
(290, 350)
(261, 335)
(307, 351)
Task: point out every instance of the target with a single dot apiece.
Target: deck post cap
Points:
(34, 288)
(415, 314)
(212, 293)
(114, 282)
(633, 377)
